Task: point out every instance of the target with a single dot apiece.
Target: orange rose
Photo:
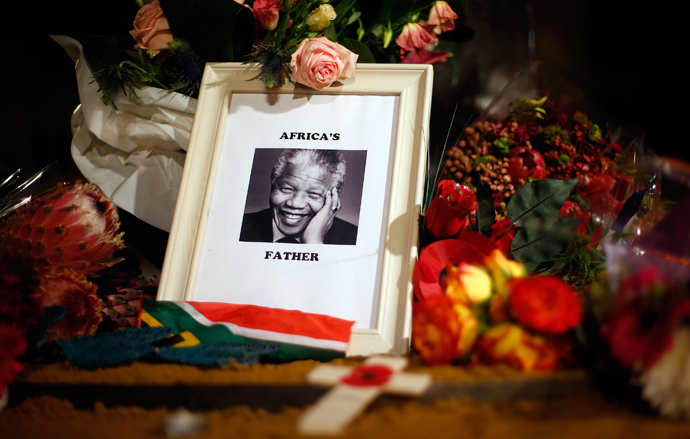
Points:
(442, 331)
(511, 344)
(151, 28)
(319, 62)
(544, 303)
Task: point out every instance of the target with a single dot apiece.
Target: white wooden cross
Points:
(354, 389)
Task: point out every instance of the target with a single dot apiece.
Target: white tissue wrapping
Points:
(134, 151)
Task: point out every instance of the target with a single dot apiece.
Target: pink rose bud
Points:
(151, 28)
(267, 13)
(414, 37)
(319, 62)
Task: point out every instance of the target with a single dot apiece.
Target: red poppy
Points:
(544, 303)
(470, 247)
(368, 375)
(502, 234)
(447, 213)
(525, 163)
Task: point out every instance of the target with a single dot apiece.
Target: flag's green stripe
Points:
(174, 317)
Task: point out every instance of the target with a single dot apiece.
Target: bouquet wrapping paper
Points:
(135, 150)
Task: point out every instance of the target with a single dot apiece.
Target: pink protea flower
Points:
(414, 37)
(72, 290)
(71, 225)
(442, 17)
(525, 163)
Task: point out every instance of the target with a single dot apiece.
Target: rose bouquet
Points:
(641, 314)
(310, 42)
(139, 67)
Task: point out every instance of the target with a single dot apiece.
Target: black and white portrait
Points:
(307, 196)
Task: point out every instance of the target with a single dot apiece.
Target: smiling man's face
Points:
(298, 194)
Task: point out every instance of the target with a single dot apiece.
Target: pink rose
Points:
(442, 17)
(267, 12)
(414, 37)
(319, 62)
(151, 28)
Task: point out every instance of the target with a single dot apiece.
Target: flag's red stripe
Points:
(277, 320)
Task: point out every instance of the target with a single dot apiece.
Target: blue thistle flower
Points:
(189, 67)
(274, 65)
(113, 80)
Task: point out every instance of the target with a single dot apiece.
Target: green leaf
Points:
(218, 30)
(539, 239)
(365, 55)
(486, 214)
(537, 199)
(353, 17)
(330, 33)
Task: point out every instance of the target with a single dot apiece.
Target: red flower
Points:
(12, 345)
(525, 163)
(70, 289)
(544, 303)
(442, 331)
(511, 344)
(447, 212)
(414, 37)
(571, 209)
(427, 57)
(267, 12)
(368, 375)
(471, 247)
(599, 192)
(639, 329)
(502, 234)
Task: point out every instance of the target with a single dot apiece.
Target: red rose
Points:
(525, 163)
(447, 212)
(502, 234)
(599, 192)
(544, 303)
(570, 209)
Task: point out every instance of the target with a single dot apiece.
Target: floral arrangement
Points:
(513, 235)
(49, 247)
(310, 42)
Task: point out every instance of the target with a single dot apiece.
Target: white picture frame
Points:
(196, 216)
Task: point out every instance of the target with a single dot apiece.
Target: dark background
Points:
(628, 58)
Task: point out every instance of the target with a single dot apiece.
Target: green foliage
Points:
(542, 234)
(538, 199)
(486, 214)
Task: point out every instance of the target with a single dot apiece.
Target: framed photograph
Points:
(304, 199)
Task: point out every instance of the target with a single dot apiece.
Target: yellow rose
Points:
(467, 283)
(320, 18)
